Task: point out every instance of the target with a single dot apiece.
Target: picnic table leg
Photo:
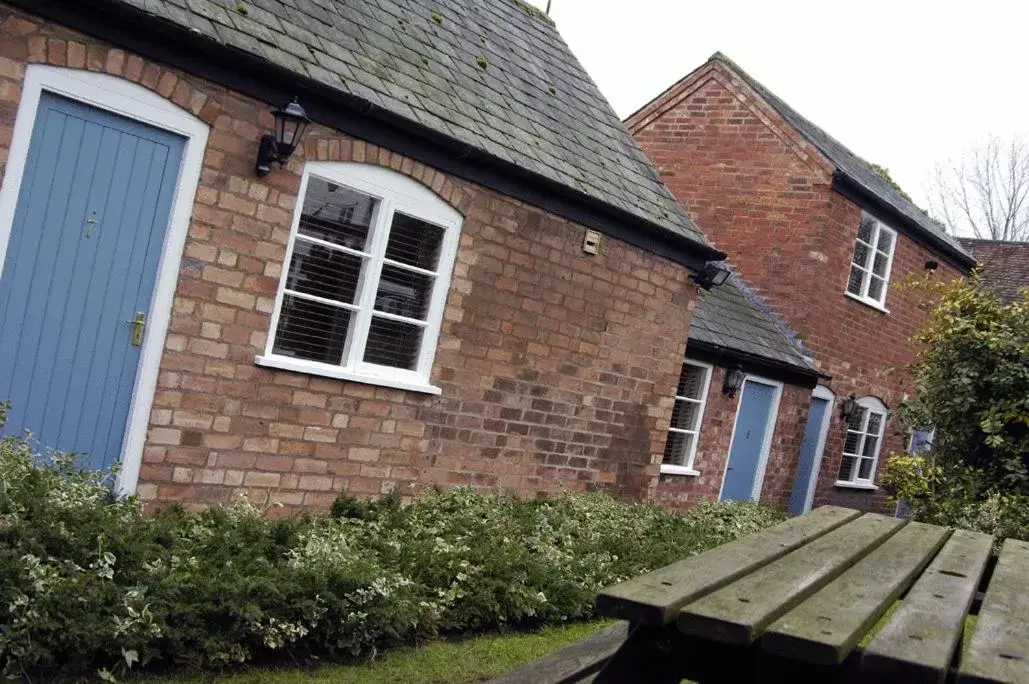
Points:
(648, 655)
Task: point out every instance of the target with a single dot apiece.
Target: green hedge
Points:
(89, 585)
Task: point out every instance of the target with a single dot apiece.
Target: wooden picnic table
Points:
(808, 601)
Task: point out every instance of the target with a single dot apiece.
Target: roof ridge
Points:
(994, 241)
(768, 311)
(845, 159)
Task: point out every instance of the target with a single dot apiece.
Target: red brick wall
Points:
(764, 196)
(682, 491)
(557, 368)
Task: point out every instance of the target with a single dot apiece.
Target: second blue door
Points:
(753, 420)
(79, 272)
(804, 480)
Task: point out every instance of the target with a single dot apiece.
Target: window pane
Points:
(885, 241)
(847, 468)
(677, 448)
(311, 330)
(403, 293)
(875, 287)
(336, 214)
(691, 382)
(861, 254)
(323, 272)
(684, 415)
(867, 229)
(865, 471)
(854, 284)
(414, 242)
(855, 422)
(868, 450)
(392, 343)
(879, 267)
(850, 444)
(875, 422)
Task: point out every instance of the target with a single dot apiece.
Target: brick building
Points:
(415, 296)
(743, 398)
(824, 239)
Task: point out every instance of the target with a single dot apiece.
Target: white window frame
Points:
(867, 267)
(928, 443)
(870, 405)
(687, 467)
(394, 192)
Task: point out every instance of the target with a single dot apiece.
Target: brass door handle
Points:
(138, 326)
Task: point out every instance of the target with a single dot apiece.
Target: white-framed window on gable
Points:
(687, 415)
(861, 447)
(872, 261)
(365, 277)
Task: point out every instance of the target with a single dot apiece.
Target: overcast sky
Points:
(902, 83)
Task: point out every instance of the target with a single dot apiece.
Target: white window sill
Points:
(300, 366)
(870, 303)
(856, 485)
(668, 469)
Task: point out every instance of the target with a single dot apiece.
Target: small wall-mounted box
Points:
(591, 242)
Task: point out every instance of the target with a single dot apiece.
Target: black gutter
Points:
(855, 191)
(758, 365)
(246, 73)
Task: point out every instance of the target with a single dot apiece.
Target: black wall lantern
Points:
(710, 275)
(276, 148)
(733, 381)
(849, 408)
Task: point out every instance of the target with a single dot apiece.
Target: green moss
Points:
(534, 12)
(437, 17)
(242, 9)
(552, 90)
(481, 61)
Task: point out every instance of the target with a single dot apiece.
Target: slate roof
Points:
(732, 317)
(1005, 265)
(492, 74)
(853, 167)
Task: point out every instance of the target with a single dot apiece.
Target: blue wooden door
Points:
(804, 482)
(753, 418)
(81, 262)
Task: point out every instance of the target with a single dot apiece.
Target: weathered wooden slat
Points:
(918, 643)
(826, 627)
(655, 598)
(999, 650)
(576, 663)
(740, 612)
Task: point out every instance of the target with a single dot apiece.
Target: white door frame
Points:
(135, 102)
(820, 392)
(766, 444)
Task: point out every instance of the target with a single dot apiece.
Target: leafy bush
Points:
(956, 495)
(972, 381)
(88, 584)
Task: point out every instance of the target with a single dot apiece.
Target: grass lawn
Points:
(476, 659)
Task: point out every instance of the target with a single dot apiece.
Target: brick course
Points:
(557, 368)
(763, 194)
